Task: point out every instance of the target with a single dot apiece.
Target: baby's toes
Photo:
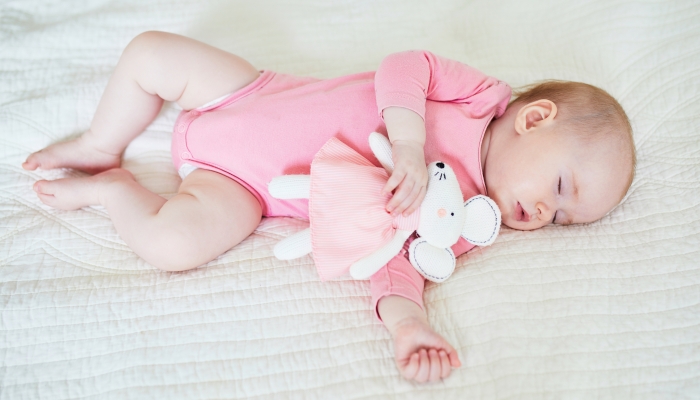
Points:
(48, 199)
(44, 190)
(32, 162)
(44, 187)
(64, 194)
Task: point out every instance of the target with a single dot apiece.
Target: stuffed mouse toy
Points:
(350, 228)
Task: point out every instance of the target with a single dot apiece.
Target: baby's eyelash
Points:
(558, 191)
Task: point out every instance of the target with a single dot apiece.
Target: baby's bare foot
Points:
(80, 154)
(75, 193)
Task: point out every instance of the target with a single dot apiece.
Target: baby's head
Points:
(562, 153)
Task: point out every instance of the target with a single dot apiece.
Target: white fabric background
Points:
(607, 310)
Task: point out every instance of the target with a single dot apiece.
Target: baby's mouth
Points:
(520, 214)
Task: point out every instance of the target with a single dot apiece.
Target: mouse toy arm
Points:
(368, 265)
(295, 246)
(381, 147)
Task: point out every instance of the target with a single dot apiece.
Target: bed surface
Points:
(607, 310)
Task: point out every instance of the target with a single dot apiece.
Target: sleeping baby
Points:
(557, 153)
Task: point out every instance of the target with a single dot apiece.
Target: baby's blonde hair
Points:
(584, 110)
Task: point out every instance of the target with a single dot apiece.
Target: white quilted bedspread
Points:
(609, 310)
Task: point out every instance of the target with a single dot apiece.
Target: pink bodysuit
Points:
(275, 126)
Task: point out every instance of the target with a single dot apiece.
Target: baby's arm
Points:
(406, 131)
(403, 83)
(421, 354)
(397, 295)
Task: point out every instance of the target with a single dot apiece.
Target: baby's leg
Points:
(155, 66)
(210, 214)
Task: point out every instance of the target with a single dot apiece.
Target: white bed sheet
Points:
(605, 310)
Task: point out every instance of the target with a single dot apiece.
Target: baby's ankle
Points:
(109, 181)
(90, 140)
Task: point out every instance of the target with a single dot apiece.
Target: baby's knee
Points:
(174, 251)
(146, 39)
(142, 47)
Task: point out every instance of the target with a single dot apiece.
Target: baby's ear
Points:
(482, 222)
(381, 147)
(534, 114)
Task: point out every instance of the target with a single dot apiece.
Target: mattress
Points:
(606, 310)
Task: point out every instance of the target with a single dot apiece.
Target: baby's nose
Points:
(441, 212)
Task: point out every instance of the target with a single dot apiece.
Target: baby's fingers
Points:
(435, 366)
(404, 197)
(454, 359)
(417, 200)
(445, 364)
(393, 181)
(424, 368)
(427, 366)
(410, 369)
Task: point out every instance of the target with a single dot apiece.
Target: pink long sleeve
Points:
(409, 78)
(399, 277)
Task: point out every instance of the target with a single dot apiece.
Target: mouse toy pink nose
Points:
(442, 212)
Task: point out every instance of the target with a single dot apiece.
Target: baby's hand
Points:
(410, 176)
(420, 353)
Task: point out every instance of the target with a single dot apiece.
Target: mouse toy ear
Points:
(434, 263)
(482, 222)
(381, 147)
